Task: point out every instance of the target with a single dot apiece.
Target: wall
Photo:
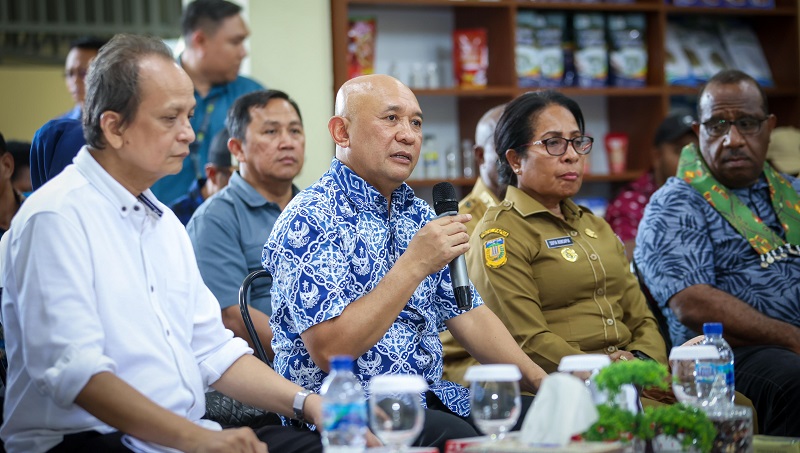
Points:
(31, 95)
(290, 46)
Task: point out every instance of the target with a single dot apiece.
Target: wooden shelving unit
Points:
(635, 111)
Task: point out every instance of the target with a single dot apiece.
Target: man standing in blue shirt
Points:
(214, 32)
(720, 244)
(359, 266)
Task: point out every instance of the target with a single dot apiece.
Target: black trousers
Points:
(279, 439)
(770, 377)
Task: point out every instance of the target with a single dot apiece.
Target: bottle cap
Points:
(583, 362)
(493, 373)
(397, 383)
(712, 328)
(694, 352)
(342, 362)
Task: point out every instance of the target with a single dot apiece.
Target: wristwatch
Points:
(299, 401)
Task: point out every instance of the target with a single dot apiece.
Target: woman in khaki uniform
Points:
(553, 272)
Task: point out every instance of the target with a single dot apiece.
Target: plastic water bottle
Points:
(344, 409)
(723, 368)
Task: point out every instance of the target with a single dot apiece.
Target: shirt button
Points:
(152, 289)
(167, 332)
(124, 208)
(593, 257)
(611, 348)
(573, 233)
(600, 291)
(610, 322)
(136, 208)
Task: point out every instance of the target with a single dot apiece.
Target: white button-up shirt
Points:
(96, 280)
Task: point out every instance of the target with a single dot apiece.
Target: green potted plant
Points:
(688, 424)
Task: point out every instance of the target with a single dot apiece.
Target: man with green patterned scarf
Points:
(720, 243)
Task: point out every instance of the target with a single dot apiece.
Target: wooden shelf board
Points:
(696, 10)
(581, 6)
(613, 91)
(627, 176)
(689, 91)
(476, 3)
(481, 92)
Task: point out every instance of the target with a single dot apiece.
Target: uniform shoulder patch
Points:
(499, 231)
(494, 252)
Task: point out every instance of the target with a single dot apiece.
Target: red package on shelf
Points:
(470, 57)
(361, 47)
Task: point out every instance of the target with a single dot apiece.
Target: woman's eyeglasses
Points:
(557, 146)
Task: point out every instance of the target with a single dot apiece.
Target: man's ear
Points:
(6, 166)
(337, 126)
(211, 171)
(479, 157)
(197, 39)
(236, 149)
(112, 127)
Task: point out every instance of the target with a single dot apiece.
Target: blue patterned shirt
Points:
(683, 241)
(331, 245)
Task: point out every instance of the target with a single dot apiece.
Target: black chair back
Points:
(244, 297)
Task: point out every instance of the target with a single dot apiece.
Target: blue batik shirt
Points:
(683, 241)
(331, 245)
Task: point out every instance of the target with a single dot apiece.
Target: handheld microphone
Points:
(446, 203)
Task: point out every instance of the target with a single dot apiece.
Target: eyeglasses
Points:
(746, 126)
(557, 146)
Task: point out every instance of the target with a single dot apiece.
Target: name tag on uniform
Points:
(558, 242)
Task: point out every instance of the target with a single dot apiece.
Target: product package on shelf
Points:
(703, 46)
(628, 54)
(361, 46)
(677, 67)
(591, 54)
(745, 51)
(540, 55)
(470, 58)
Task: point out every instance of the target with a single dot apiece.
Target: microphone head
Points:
(444, 198)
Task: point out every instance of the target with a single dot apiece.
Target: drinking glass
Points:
(687, 364)
(396, 412)
(586, 367)
(494, 398)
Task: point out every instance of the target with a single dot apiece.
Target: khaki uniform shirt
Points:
(561, 287)
(476, 203)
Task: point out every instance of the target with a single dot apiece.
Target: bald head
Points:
(484, 131)
(485, 153)
(352, 93)
(377, 129)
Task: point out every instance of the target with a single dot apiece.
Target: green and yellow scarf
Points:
(786, 202)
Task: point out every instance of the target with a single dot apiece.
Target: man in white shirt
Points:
(112, 336)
